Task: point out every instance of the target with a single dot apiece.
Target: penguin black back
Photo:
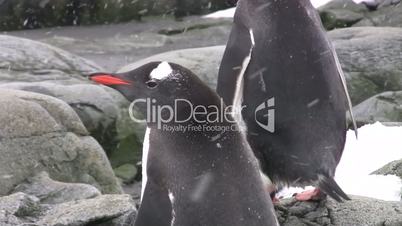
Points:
(203, 175)
(295, 96)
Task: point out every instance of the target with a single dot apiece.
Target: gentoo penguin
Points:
(281, 70)
(200, 169)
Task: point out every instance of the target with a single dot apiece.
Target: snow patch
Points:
(377, 146)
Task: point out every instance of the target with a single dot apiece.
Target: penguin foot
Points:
(310, 195)
(274, 199)
(272, 193)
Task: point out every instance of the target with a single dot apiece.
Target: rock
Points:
(392, 124)
(346, 13)
(126, 172)
(114, 46)
(104, 210)
(18, 209)
(384, 107)
(134, 190)
(370, 58)
(30, 61)
(358, 211)
(341, 13)
(204, 62)
(25, 14)
(392, 168)
(110, 210)
(36, 67)
(103, 112)
(53, 192)
(388, 14)
(365, 211)
(41, 133)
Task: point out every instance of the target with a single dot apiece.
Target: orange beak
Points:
(107, 79)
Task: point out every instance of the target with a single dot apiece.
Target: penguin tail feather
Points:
(329, 186)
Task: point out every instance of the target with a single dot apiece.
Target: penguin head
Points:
(161, 82)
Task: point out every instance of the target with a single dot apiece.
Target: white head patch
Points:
(162, 71)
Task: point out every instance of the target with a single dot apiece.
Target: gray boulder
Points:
(30, 61)
(53, 192)
(41, 133)
(18, 209)
(388, 14)
(40, 68)
(358, 211)
(103, 112)
(104, 210)
(384, 107)
(346, 13)
(392, 168)
(341, 13)
(370, 58)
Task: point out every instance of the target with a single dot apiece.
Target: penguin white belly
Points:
(145, 150)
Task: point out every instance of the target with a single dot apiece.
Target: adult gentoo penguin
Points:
(281, 68)
(201, 175)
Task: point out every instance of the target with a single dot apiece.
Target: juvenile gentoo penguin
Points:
(281, 68)
(203, 175)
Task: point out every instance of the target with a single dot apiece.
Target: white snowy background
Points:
(376, 146)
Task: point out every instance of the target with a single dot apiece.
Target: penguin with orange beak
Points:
(191, 176)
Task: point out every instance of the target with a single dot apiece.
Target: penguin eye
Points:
(151, 84)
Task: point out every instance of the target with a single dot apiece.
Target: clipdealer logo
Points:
(207, 118)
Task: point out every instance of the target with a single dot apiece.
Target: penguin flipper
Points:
(345, 88)
(329, 186)
(155, 208)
